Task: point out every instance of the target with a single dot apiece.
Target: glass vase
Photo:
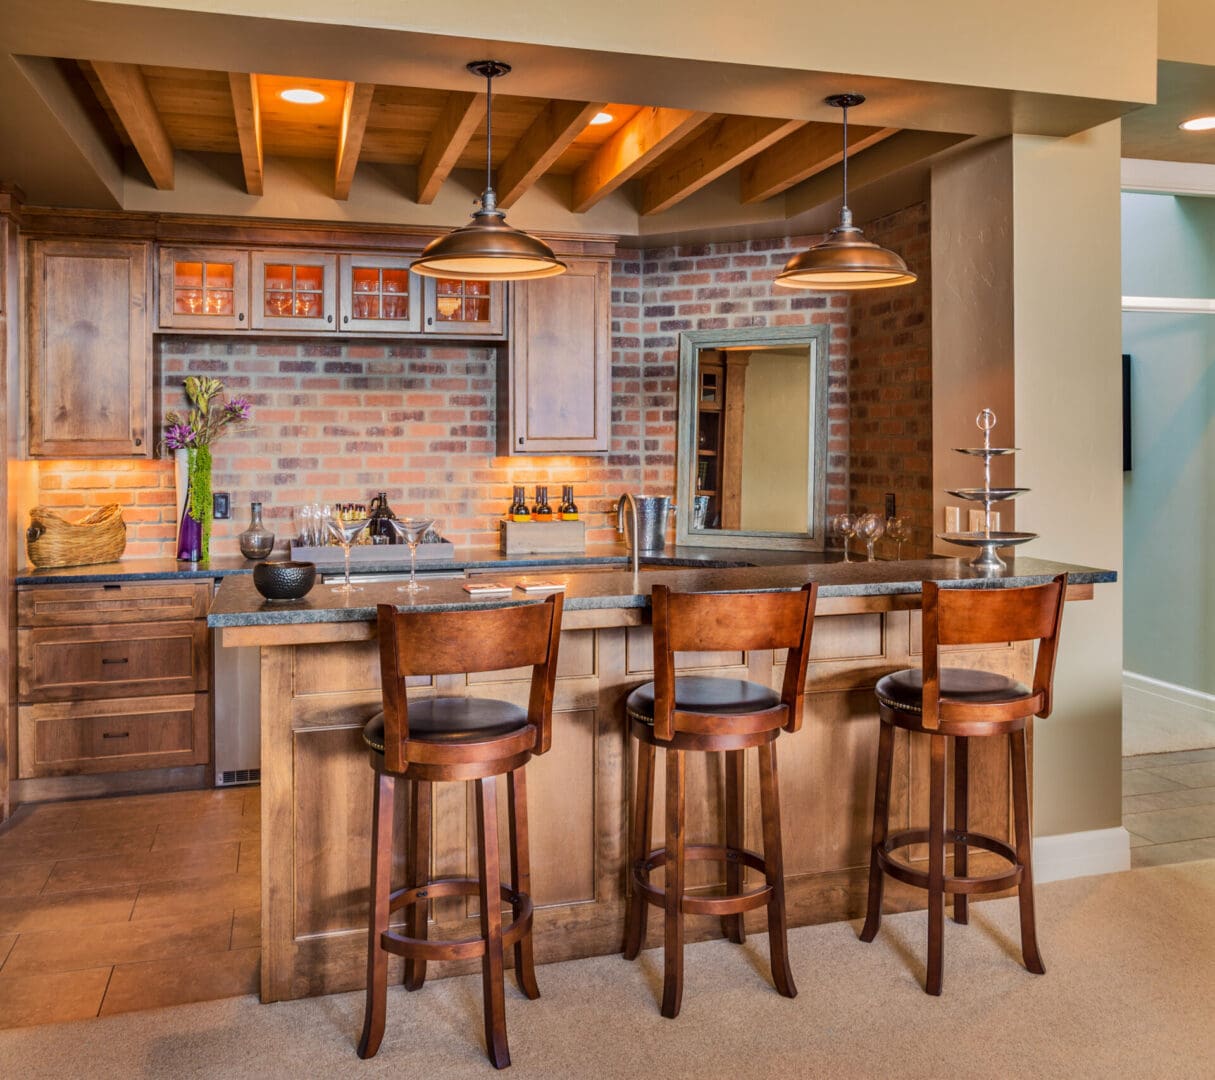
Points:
(256, 542)
(194, 494)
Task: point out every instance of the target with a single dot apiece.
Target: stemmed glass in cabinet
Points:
(346, 533)
(410, 531)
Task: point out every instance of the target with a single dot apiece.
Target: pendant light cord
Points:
(489, 130)
(845, 213)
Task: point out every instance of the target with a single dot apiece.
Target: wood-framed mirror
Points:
(752, 438)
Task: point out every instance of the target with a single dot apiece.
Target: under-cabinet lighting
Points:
(602, 118)
(297, 95)
(1199, 123)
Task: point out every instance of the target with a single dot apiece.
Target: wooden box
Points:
(542, 537)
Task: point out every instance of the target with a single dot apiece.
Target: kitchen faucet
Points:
(620, 526)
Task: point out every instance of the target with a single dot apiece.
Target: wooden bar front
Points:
(320, 684)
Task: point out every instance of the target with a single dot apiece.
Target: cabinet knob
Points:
(240, 317)
(328, 318)
(139, 442)
(345, 319)
(520, 440)
(430, 320)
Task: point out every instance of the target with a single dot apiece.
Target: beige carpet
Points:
(1129, 992)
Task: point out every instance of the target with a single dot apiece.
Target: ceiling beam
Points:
(460, 118)
(713, 153)
(355, 110)
(803, 154)
(128, 93)
(558, 125)
(246, 107)
(649, 134)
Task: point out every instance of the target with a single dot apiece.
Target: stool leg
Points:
(936, 865)
(732, 925)
(961, 793)
(881, 825)
(638, 911)
(492, 989)
(672, 921)
(377, 923)
(774, 871)
(417, 872)
(521, 877)
(1024, 843)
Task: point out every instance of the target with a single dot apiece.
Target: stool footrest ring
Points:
(462, 948)
(704, 905)
(954, 883)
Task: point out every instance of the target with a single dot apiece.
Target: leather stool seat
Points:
(703, 694)
(904, 690)
(452, 720)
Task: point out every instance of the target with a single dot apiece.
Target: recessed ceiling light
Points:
(602, 118)
(1199, 123)
(299, 96)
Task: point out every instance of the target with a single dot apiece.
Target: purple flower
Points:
(180, 437)
(238, 408)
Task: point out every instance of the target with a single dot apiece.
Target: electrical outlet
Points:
(221, 505)
(953, 519)
(891, 505)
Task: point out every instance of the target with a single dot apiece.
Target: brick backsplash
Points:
(339, 421)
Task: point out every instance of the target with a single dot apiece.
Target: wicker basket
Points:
(99, 537)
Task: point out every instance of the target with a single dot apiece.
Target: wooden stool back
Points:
(711, 622)
(455, 642)
(982, 616)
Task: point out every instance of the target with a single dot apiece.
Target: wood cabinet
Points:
(465, 308)
(294, 290)
(112, 678)
(554, 379)
(204, 288)
(89, 349)
(379, 295)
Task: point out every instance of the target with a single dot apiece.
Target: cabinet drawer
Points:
(71, 663)
(66, 738)
(136, 602)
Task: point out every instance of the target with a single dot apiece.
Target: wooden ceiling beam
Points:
(128, 92)
(798, 157)
(558, 125)
(355, 110)
(648, 135)
(713, 153)
(460, 118)
(247, 109)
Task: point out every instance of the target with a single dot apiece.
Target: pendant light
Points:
(845, 260)
(488, 249)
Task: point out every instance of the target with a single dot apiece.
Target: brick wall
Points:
(890, 383)
(339, 421)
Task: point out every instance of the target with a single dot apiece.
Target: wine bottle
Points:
(518, 506)
(542, 511)
(568, 511)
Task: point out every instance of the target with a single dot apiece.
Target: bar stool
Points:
(953, 703)
(457, 738)
(697, 713)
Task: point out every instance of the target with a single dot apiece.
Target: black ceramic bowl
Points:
(284, 580)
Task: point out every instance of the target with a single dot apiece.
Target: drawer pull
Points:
(111, 587)
(112, 660)
(115, 734)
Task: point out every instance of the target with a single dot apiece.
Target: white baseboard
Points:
(1080, 854)
(1160, 717)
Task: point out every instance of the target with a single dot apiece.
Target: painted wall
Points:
(1168, 248)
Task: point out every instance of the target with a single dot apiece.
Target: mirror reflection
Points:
(752, 419)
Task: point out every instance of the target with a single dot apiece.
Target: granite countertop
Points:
(237, 603)
(145, 569)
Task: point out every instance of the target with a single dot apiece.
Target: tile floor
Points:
(109, 905)
(1168, 806)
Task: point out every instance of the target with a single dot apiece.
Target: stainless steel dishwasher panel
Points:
(236, 703)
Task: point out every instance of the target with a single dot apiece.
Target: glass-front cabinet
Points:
(379, 295)
(294, 290)
(474, 308)
(204, 288)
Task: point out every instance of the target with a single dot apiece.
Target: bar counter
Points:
(320, 684)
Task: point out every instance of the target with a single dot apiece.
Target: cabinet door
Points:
(294, 290)
(379, 295)
(89, 356)
(204, 288)
(465, 308)
(558, 386)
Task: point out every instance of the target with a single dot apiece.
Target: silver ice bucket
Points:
(652, 514)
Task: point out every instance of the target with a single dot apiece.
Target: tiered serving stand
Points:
(987, 561)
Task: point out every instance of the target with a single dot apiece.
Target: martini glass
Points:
(346, 533)
(410, 531)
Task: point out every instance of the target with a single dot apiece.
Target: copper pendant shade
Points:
(845, 260)
(488, 249)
